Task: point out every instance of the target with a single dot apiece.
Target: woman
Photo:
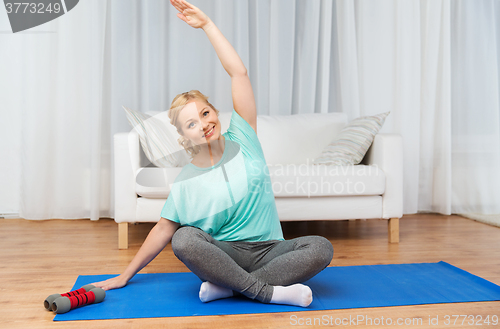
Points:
(221, 214)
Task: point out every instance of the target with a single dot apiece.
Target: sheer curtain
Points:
(475, 116)
(433, 63)
(54, 96)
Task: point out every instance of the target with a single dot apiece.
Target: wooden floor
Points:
(39, 258)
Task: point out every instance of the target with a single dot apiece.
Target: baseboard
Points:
(9, 216)
(493, 219)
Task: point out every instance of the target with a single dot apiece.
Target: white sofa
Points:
(303, 191)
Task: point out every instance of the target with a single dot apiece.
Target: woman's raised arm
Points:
(241, 88)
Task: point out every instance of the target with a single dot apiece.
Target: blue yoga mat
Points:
(342, 287)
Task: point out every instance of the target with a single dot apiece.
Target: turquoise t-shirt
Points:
(232, 200)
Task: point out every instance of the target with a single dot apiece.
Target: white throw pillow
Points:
(158, 139)
(351, 144)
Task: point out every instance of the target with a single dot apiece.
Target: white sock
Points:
(210, 291)
(296, 294)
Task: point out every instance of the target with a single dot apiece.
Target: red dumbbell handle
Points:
(49, 300)
(83, 299)
(64, 304)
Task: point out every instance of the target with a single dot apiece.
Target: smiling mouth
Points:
(210, 132)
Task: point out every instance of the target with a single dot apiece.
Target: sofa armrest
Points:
(127, 162)
(386, 152)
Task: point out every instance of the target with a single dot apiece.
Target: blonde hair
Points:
(176, 107)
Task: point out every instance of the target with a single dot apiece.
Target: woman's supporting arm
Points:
(241, 88)
(157, 239)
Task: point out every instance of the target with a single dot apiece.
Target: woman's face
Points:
(199, 122)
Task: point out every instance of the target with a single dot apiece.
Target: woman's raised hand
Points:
(190, 14)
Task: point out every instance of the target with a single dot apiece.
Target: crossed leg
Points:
(268, 271)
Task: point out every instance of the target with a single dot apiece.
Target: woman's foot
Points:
(210, 291)
(296, 294)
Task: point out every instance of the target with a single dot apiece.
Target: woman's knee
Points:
(185, 239)
(323, 250)
(327, 250)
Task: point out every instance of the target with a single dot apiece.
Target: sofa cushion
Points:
(314, 181)
(158, 138)
(287, 181)
(350, 146)
(153, 182)
(293, 139)
(298, 138)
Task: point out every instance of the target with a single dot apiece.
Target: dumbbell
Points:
(64, 304)
(49, 300)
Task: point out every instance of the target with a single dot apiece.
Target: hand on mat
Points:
(113, 283)
(190, 14)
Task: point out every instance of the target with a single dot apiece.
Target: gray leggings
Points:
(251, 268)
